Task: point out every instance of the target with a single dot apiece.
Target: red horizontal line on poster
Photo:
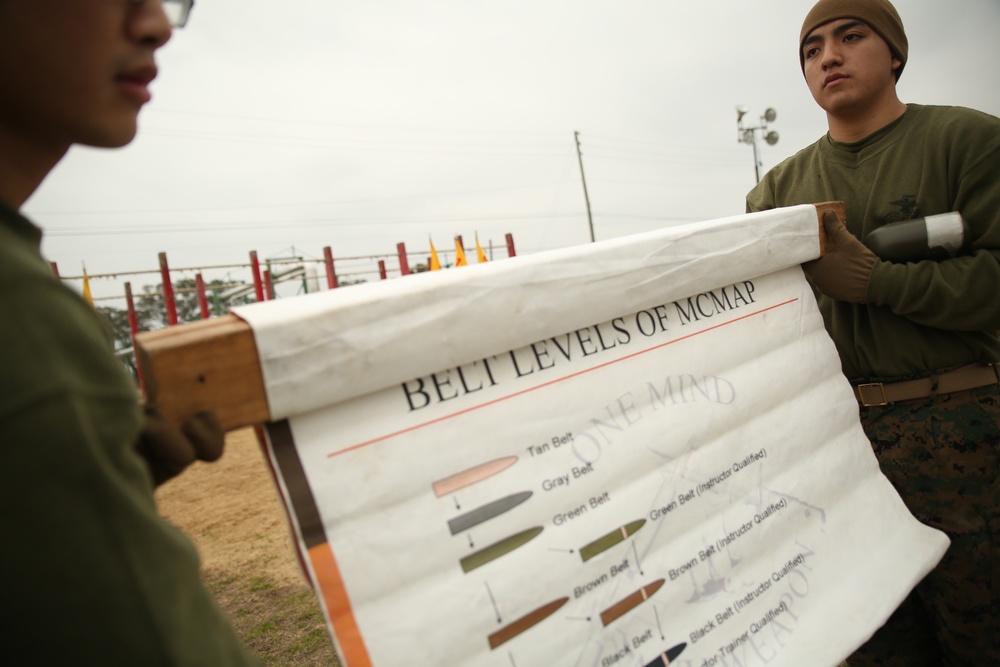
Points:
(495, 401)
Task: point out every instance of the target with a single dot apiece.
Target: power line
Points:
(371, 145)
(299, 121)
(284, 223)
(684, 161)
(331, 202)
(344, 142)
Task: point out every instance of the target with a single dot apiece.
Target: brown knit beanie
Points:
(880, 15)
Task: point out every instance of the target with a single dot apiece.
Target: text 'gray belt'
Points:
(874, 394)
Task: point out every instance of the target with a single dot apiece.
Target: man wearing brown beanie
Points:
(918, 338)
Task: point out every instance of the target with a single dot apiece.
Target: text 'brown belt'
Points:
(875, 394)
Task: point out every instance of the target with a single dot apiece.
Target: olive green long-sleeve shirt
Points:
(92, 574)
(919, 316)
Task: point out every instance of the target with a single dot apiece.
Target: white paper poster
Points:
(683, 483)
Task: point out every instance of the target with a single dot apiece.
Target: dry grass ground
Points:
(232, 512)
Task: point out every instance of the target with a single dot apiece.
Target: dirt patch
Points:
(232, 512)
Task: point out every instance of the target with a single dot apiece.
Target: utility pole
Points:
(586, 198)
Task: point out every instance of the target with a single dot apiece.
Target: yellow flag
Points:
(460, 254)
(480, 255)
(435, 263)
(86, 289)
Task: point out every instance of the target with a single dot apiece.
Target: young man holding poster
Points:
(918, 337)
(93, 575)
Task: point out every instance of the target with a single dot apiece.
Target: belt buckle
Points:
(872, 385)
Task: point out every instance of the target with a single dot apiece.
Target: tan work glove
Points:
(843, 272)
(169, 450)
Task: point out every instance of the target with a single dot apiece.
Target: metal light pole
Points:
(748, 135)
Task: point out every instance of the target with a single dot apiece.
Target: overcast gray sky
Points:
(287, 127)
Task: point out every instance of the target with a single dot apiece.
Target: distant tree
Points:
(151, 309)
(117, 320)
(347, 282)
(151, 312)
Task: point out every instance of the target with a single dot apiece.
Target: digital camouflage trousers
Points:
(942, 456)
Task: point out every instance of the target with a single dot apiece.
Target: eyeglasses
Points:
(177, 11)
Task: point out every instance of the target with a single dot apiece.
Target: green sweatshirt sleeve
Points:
(923, 315)
(94, 576)
(958, 294)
